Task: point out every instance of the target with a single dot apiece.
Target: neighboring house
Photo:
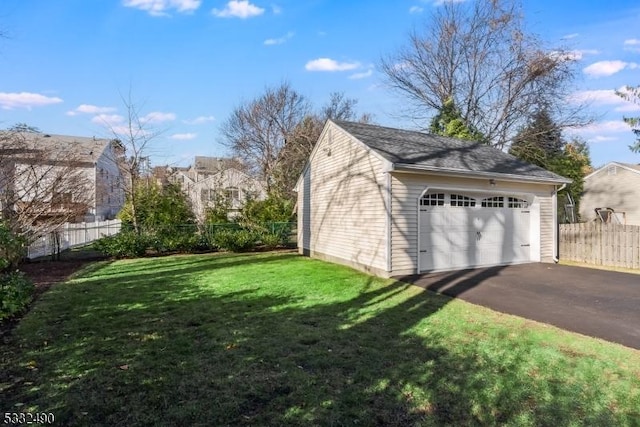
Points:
(615, 185)
(212, 180)
(61, 173)
(396, 202)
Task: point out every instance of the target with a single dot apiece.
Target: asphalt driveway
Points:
(598, 303)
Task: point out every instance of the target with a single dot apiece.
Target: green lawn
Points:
(277, 339)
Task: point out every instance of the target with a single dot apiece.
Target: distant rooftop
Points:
(59, 147)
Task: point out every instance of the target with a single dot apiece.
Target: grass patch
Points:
(601, 267)
(277, 339)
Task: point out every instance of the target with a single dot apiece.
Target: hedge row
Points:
(128, 244)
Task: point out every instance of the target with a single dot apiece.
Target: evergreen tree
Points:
(449, 122)
(541, 143)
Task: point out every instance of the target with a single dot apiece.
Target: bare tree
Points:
(479, 55)
(136, 136)
(42, 184)
(258, 130)
(299, 146)
(275, 133)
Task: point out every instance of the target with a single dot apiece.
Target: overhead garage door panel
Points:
(461, 231)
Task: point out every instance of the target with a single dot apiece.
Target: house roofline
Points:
(362, 145)
(217, 175)
(403, 167)
(622, 165)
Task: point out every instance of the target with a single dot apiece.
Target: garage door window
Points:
(493, 202)
(516, 203)
(432, 199)
(459, 200)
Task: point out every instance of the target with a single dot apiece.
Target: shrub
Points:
(273, 209)
(235, 240)
(270, 240)
(12, 248)
(126, 244)
(179, 241)
(16, 291)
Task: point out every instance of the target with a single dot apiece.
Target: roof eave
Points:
(403, 167)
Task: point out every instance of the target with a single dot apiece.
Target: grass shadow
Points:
(281, 340)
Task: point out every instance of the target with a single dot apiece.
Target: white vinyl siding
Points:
(341, 203)
(547, 230)
(109, 185)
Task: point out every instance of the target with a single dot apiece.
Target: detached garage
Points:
(395, 202)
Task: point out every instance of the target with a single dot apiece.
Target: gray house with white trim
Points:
(396, 202)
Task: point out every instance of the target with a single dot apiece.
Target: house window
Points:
(206, 195)
(233, 194)
(516, 203)
(493, 202)
(612, 170)
(459, 200)
(61, 199)
(432, 199)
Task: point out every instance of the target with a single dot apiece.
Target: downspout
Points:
(556, 255)
(388, 222)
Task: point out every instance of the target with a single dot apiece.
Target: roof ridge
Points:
(420, 150)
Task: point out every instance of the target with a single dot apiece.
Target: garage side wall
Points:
(342, 214)
(406, 189)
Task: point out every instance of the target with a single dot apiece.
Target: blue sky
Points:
(189, 63)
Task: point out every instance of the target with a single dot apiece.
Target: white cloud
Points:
(442, 2)
(277, 10)
(199, 120)
(327, 64)
(598, 128)
(416, 9)
(570, 55)
(569, 36)
(109, 120)
(183, 136)
(28, 100)
(604, 97)
(363, 75)
(608, 68)
(162, 7)
(589, 51)
(632, 45)
(158, 117)
(238, 9)
(90, 109)
(283, 39)
(575, 55)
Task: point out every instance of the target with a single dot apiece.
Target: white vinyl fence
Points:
(72, 235)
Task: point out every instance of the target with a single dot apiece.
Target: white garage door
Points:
(461, 231)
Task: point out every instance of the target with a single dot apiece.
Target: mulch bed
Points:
(44, 274)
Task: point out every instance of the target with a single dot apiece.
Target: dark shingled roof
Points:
(418, 150)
